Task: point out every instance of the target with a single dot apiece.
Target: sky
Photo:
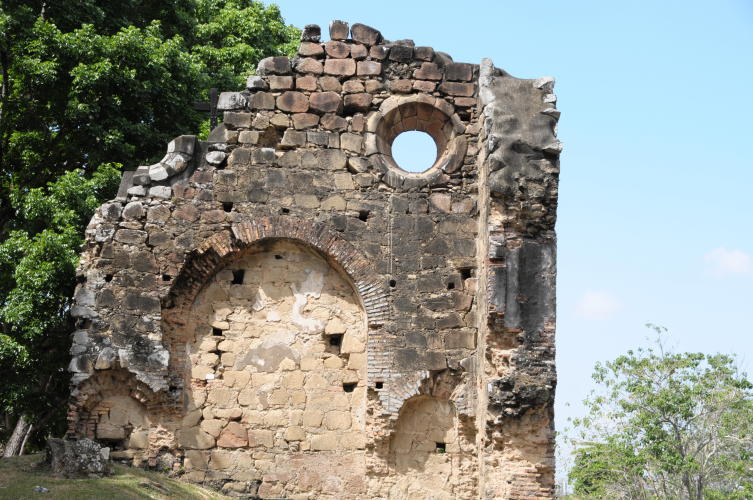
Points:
(655, 223)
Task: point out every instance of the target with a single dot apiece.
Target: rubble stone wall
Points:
(283, 311)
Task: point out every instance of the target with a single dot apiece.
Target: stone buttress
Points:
(282, 311)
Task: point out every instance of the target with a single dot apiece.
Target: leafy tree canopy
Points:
(83, 84)
(666, 425)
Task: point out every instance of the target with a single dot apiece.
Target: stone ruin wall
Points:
(281, 311)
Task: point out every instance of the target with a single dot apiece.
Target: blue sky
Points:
(655, 219)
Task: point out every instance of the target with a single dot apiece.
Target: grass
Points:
(19, 476)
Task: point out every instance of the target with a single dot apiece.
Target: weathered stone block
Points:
(340, 67)
(337, 49)
(311, 33)
(357, 102)
(325, 102)
(459, 72)
(428, 71)
(309, 65)
(234, 435)
(279, 65)
(282, 82)
(459, 89)
(310, 49)
(293, 102)
(358, 51)
(77, 458)
(368, 68)
(338, 30)
(401, 53)
(365, 34)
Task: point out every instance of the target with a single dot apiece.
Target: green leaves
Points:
(232, 36)
(666, 425)
(83, 84)
(38, 260)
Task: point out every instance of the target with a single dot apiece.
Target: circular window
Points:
(416, 141)
(414, 151)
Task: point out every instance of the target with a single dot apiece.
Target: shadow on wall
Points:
(426, 435)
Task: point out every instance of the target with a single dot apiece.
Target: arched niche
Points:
(272, 352)
(116, 410)
(428, 451)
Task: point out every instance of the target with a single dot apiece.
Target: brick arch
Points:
(100, 386)
(215, 251)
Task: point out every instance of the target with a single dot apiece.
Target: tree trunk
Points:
(13, 446)
(26, 438)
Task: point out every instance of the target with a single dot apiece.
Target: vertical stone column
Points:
(519, 169)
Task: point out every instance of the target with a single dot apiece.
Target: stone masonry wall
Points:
(282, 311)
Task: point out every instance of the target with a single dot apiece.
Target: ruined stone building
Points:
(281, 311)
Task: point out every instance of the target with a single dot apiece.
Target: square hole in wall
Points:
(334, 342)
(379, 385)
(441, 447)
(350, 387)
(238, 276)
(217, 332)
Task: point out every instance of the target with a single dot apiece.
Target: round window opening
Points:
(418, 139)
(414, 151)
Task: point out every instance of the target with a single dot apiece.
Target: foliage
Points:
(37, 275)
(86, 83)
(232, 36)
(666, 425)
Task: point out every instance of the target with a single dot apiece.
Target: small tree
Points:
(666, 425)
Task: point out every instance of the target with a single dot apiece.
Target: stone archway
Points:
(273, 355)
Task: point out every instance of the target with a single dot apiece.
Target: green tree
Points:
(83, 84)
(666, 425)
